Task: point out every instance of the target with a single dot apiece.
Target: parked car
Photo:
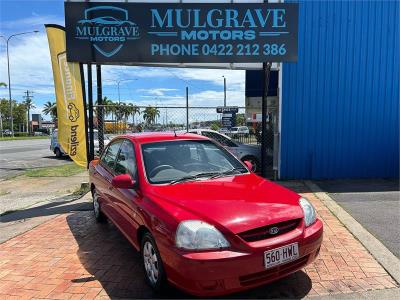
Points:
(199, 218)
(244, 152)
(59, 151)
(241, 130)
(223, 130)
(55, 147)
(7, 132)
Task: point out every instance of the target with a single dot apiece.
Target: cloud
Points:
(156, 92)
(35, 22)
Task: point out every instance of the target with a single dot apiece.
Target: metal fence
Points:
(117, 119)
(111, 120)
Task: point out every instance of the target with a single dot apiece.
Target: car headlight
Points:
(309, 211)
(198, 235)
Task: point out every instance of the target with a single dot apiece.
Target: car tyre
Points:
(153, 268)
(98, 214)
(58, 153)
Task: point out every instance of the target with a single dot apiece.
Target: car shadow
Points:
(110, 259)
(64, 157)
(63, 206)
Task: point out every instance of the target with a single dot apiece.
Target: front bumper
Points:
(223, 272)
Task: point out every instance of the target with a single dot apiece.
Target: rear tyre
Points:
(58, 153)
(152, 265)
(98, 214)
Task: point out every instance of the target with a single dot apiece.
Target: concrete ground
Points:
(23, 192)
(70, 256)
(373, 203)
(18, 156)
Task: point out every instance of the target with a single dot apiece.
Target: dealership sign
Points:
(115, 32)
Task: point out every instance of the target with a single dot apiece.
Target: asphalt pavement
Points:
(20, 155)
(375, 204)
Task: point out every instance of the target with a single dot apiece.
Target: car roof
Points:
(210, 130)
(151, 137)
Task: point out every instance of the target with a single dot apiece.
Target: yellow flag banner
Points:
(69, 97)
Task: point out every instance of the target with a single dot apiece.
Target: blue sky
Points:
(31, 69)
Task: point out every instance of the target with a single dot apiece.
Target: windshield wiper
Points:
(193, 177)
(229, 172)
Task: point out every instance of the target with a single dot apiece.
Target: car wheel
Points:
(152, 265)
(254, 162)
(98, 214)
(58, 153)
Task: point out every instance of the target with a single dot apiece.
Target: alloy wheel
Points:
(150, 262)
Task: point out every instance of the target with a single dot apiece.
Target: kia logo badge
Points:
(273, 230)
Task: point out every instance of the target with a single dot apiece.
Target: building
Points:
(36, 122)
(337, 108)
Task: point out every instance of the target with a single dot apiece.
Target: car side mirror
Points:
(249, 165)
(123, 181)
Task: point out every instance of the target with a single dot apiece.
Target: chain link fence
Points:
(112, 120)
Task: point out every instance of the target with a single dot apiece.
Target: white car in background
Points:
(240, 130)
(251, 153)
(56, 148)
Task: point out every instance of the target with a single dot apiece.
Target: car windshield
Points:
(234, 129)
(177, 161)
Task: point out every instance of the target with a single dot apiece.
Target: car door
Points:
(126, 201)
(103, 175)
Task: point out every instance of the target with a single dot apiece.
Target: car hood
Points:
(238, 203)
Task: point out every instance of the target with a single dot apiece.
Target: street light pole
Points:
(224, 91)
(8, 73)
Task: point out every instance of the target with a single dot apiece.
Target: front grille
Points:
(263, 233)
(273, 273)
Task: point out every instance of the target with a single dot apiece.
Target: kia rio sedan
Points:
(200, 219)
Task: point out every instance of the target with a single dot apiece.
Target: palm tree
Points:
(50, 108)
(134, 110)
(28, 106)
(150, 114)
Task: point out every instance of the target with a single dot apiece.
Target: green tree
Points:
(50, 108)
(19, 114)
(240, 120)
(3, 84)
(134, 110)
(150, 114)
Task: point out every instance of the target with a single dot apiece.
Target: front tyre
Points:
(98, 214)
(152, 265)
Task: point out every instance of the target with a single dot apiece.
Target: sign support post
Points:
(85, 112)
(100, 116)
(187, 109)
(264, 112)
(90, 102)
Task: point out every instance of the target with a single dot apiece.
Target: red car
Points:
(199, 218)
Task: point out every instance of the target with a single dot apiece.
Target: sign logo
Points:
(273, 230)
(108, 28)
(73, 112)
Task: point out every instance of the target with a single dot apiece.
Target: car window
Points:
(219, 138)
(126, 161)
(168, 161)
(109, 156)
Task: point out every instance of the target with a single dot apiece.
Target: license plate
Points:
(281, 255)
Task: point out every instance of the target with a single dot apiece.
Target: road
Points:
(375, 204)
(21, 155)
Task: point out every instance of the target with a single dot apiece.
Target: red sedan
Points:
(199, 218)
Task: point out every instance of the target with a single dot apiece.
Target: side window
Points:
(109, 156)
(126, 161)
